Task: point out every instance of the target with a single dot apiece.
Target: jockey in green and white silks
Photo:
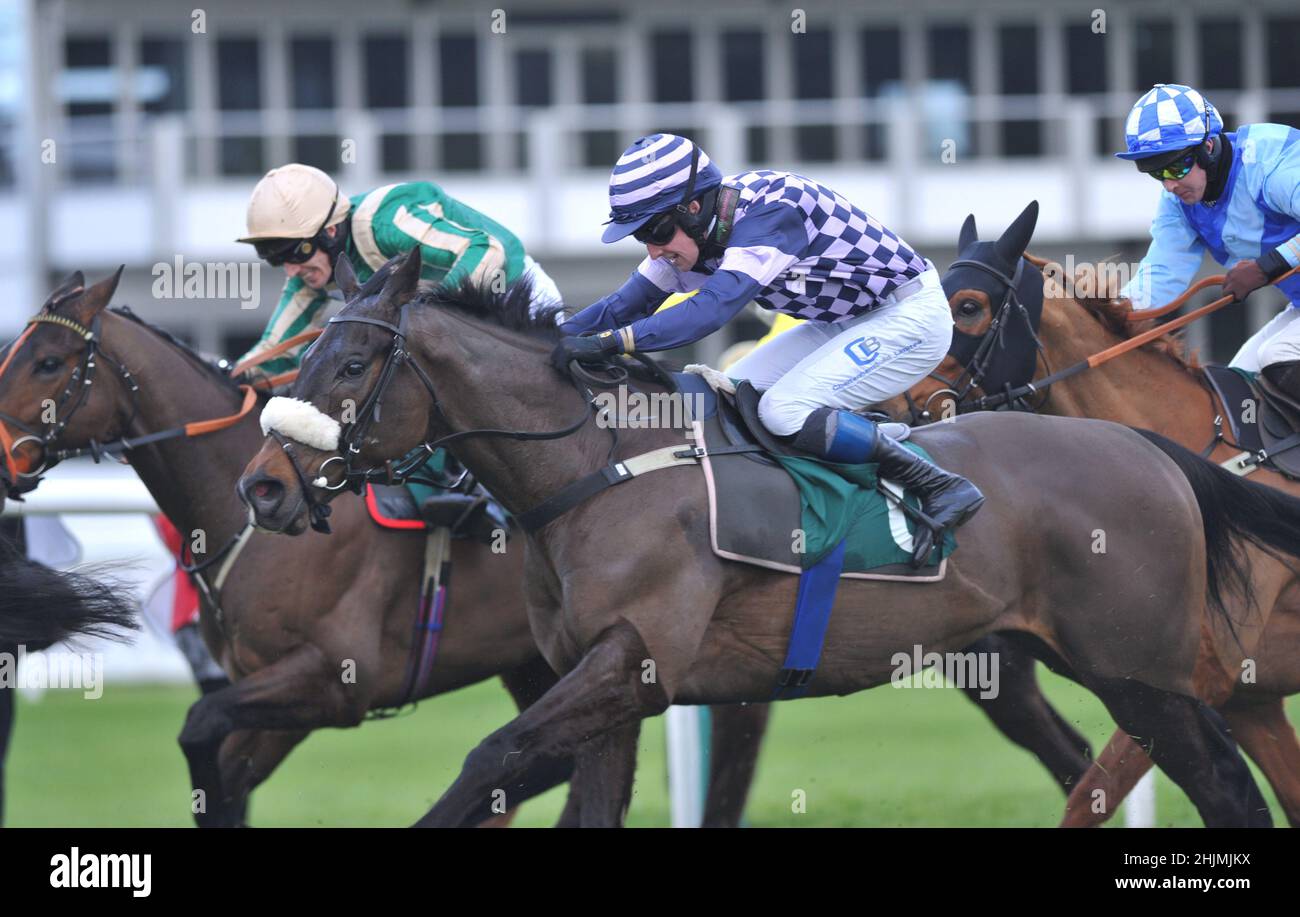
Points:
(877, 321)
(1235, 195)
(298, 218)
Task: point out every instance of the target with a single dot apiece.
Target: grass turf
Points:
(884, 757)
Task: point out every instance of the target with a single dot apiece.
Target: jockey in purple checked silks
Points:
(877, 321)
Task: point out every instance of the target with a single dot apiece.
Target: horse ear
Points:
(404, 278)
(86, 306)
(346, 278)
(1016, 239)
(969, 234)
(71, 285)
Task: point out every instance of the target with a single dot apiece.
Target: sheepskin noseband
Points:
(301, 422)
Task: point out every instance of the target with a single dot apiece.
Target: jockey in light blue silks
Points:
(877, 318)
(1234, 195)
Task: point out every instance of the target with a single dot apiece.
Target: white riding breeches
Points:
(1276, 342)
(545, 292)
(850, 364)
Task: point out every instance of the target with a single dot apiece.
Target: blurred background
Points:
(133, 131)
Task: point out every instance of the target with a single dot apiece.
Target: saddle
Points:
(1263, 420)
(474, 516)
(756, 506)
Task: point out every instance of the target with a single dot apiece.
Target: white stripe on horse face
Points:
(302, 422)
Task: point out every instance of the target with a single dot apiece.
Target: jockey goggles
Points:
(1173, 171)
(660, 229)
(276, 252)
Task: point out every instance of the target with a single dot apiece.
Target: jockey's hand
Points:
(593, 348)
(1243, 278)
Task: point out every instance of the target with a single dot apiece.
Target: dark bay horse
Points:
(315, 631)
(626, 598)
(1158, 388)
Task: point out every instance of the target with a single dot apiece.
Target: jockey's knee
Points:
(783, 416)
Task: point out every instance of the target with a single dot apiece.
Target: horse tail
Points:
(1234, 511)
(40, 606)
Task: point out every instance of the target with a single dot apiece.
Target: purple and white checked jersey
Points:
(842, 264)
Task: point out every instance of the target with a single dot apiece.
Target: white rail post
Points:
(688, 772)
(1140, 805)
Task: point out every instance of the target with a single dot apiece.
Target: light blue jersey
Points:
(1258, 211)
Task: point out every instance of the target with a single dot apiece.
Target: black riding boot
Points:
(947, 499)
(1286, 378)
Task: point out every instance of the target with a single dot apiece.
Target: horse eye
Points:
(49, 365)
(969, 307)
(355, 368)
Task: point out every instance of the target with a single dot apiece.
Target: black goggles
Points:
(658, 230)
(276, 252)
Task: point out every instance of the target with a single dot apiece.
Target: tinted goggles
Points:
(659, 230)
(276, 252)
(1173, 171)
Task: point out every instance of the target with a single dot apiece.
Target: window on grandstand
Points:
(1085, 74)
(533, 89)
(744, 79)
(161, 85)
(1153, 49)
(239, 92)
(1018, 76)
(387, 88)
(599, 75)
(89, 90)
(458, 72)
(311, 68)
(947, 93)
(1283, 63)
(814, 79)
(1219, 53)
(882, 77)
(672, 67)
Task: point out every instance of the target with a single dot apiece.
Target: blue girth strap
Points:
(812, 615)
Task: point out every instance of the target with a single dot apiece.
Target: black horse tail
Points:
(1233, 511)
(40, 606)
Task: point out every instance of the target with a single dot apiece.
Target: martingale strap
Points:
(583, 489)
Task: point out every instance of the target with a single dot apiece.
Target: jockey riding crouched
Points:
(1234, 195)
(298, 218)
(877, 321)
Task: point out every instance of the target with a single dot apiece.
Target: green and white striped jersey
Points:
(457, 242)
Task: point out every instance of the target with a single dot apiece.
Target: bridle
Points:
(77, 392)
(353, 434)
(976, 354)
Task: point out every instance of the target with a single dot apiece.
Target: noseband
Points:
(978, 353)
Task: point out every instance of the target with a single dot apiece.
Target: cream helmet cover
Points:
(290, 202)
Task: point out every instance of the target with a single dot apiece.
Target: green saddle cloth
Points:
(842, 503)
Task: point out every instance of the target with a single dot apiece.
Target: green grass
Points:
(884, 757)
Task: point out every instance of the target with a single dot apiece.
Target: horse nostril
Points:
(263, 493)
(261, 489)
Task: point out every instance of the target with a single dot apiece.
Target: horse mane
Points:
(1112, 314)
(202, 362)
(510, 308)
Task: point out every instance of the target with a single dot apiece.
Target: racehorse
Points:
(626, 598)
(1156, 387)
(315, 631)
(40, 607)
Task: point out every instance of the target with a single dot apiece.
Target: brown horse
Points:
(627, 599)
(315, 631)
(1155, 387)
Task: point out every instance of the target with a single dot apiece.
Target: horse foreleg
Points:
(247, 757)
(603, 692)
(299, 691)
(1104, 785)
(737, 736)
(1261, 729)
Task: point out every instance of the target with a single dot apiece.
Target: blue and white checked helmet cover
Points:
(650, 177)
(1169, 117)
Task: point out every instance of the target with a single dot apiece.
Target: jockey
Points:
(1234, 195)
(298, 218)
(877, 318)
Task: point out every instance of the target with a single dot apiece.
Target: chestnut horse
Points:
(1155, 387)
(627, 599)
(314, 631)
